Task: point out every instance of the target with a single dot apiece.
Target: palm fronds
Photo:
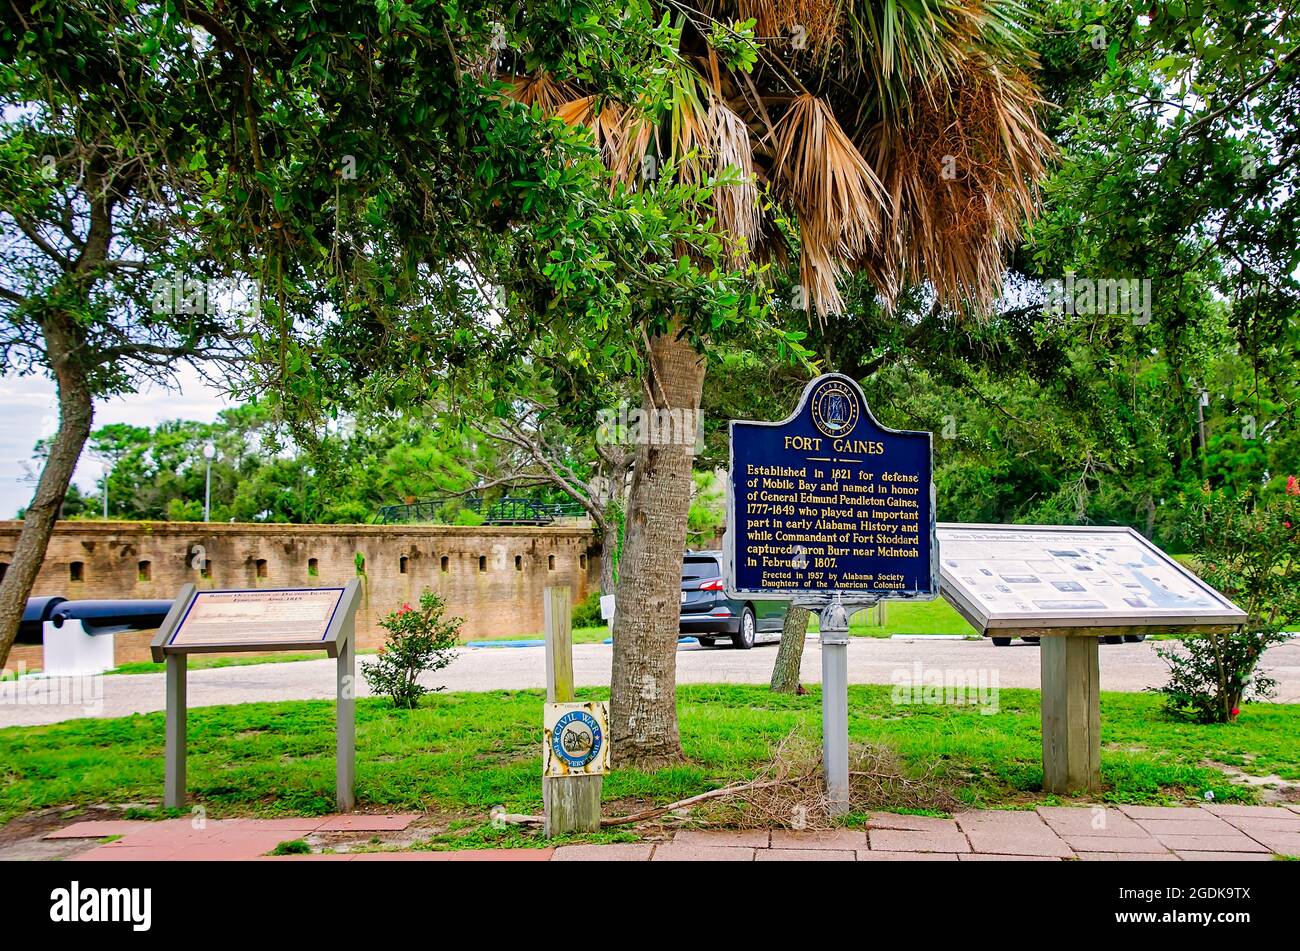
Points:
(901, 135)
(839, 200)
(544, 91)
(960, 164)
(735, 205)
(605, 120)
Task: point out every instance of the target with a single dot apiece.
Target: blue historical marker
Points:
(833, 512)
(830, 502)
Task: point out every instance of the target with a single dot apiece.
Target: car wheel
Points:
(1114, 638)
(1001, 642)
(1030, 640)
(1135, 638)
(705, 641)
(744, 638)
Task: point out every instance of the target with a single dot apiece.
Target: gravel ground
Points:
(1125, 667)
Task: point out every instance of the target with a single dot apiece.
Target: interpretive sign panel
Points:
(829, 501)
(1049, 576)
(255, 619)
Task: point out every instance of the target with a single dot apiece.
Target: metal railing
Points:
(510, 510)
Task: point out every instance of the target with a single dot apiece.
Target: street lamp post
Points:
(209, 451)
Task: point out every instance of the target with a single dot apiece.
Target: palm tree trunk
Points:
(643, 697)
(785, 672)
(76, 412)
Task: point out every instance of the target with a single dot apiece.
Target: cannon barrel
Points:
(112, 617)
(35, 614)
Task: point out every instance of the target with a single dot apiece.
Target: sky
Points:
(29, 411)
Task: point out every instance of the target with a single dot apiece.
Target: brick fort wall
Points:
(492, 576)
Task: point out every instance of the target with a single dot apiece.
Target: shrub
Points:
(586, 613)
(1247, 549)
(419, 640)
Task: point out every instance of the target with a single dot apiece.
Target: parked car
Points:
(1108, 639)
(708, 615)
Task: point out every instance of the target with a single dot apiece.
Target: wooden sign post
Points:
(576, 750)
(259, 620)
(1071, 710)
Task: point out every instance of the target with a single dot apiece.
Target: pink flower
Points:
(404, 609)
(1292, 485)
(1235, 711)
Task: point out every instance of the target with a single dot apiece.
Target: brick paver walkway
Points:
(1049, 834)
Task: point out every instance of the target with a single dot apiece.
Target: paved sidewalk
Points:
(1047, 834)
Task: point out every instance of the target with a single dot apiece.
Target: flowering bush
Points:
(1248, 549)
(419, 640)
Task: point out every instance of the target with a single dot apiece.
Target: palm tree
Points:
(900, 135)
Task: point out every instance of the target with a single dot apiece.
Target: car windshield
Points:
(696, 569)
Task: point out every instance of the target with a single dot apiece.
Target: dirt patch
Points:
(33, 825)
(1273, 790)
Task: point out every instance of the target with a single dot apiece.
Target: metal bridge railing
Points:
(510, 510)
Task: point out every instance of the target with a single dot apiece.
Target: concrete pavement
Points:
(1124, 667)
(1047, 834)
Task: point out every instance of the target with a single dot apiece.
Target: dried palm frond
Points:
(838, 198)
(812, 25)
(681, 134)
(821, 265)
(736, 206)
(633, 162)
(960, 164)
(603, 119)
(543, 91)
(821, 168)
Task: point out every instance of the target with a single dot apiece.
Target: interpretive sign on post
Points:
(260, 620)
(834, 512)
(1071, 585)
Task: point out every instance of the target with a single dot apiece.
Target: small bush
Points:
(1249, 549)
(586, 613)
(419, 640)
(292, 847)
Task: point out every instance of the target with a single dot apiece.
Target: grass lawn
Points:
(589, 635)
(200, 662)
(908, 617)
(463, 753)
(920, 617)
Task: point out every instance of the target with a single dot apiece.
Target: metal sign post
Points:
(833, 512)
(834, 626)
(230, 621)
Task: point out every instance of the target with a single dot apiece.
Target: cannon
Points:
(35, 614)
(77, 635)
